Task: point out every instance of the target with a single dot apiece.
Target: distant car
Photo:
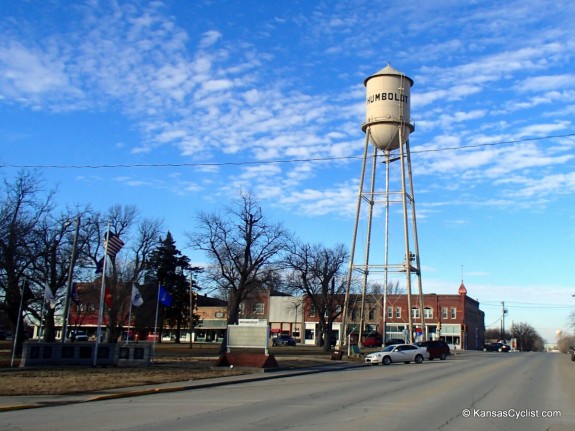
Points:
(572, 351)
(372, 341)
(436, 349)
(496, 347)
(283, 340)
(78, 336)
(398, 353)
(394, 341)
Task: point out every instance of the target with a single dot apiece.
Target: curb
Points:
(126, 393)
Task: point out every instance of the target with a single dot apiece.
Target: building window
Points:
(312, 311)
(389, 312)
(371, 315)
(444, 312)
(259, 308)
(355, 314)
(428, 313)
(453, 312)
(242, 308)
(415, 313)
(395, 331)
(398, 312)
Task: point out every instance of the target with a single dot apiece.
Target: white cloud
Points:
(209, 38)
(32, 75)
(546, 83)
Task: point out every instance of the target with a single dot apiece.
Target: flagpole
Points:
(40, 331)
(129, 319)
(17, 326)
(102, 294)
(156, 324)
(69, 283)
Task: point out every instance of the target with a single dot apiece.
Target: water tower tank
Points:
(388, 108)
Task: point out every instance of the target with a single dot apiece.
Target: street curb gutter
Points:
(158, 390)
(267, 376)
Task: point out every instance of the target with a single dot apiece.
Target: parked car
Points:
(496, 347)
(78, 335)
(283, 340)
(436, 349)
(398, 353)
(372, 340)
(572, 352)
(394, 341)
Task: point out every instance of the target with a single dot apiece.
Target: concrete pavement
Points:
(10, 403)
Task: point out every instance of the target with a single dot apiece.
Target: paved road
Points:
(436, 395)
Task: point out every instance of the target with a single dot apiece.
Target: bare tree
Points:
(392, 288)
(316, 271)
(141, 237)
(243, 247)
(492, 334)
(49, 275)
(565, 342)
(23, 205)
(528, 339)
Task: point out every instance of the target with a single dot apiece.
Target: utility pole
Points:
(503, 312)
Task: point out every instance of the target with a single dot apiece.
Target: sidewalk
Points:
(10, 403)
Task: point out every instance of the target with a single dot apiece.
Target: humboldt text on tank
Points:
(387, 96)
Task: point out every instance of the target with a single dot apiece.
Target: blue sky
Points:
(175, 106)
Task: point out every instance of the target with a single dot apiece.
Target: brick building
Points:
(455, 318)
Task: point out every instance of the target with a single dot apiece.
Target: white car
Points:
(398, 353)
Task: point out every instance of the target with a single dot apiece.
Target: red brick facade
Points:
(455, 318)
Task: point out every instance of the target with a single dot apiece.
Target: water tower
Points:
(389, 238)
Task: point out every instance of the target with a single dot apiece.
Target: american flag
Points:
(113, 245)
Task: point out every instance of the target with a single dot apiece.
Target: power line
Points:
(518, 141)
(269, 162)
(526, 305)
(179, 165)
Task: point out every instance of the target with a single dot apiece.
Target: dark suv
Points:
(394, 341)
(283, 340)
(496, 347)
(436, 349)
